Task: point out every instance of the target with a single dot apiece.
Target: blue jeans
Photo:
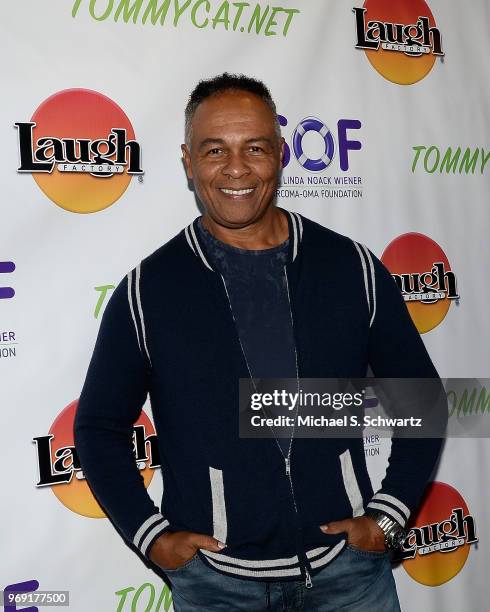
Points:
(356, 581)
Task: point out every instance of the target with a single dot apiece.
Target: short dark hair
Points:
(221, 84)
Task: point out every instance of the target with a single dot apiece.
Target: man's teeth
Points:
(236, 191)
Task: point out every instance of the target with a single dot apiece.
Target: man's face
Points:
(234, 158)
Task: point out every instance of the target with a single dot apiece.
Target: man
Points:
(250, 290)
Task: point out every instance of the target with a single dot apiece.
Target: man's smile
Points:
(237, 193)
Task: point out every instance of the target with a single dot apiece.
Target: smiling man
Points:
(233, 156)
(250, 290)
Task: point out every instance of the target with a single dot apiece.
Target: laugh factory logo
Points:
(439, 539)
(400, 38)
(80, 148)
(60, 469)
(423, 274)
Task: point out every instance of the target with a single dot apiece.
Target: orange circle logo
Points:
(440, 536)
(423, 274)
(59, 467)
(81, 150)
(400, 38)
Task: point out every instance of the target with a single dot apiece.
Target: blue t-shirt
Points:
(257, 287)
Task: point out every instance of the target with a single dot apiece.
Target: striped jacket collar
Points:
(295, 225)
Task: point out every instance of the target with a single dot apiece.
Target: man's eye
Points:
(256, 149)
(214, 151)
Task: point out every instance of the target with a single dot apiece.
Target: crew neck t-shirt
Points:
(257, 289)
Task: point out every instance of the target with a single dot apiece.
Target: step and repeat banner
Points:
(384, 107)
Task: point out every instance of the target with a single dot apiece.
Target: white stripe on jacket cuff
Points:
(152, 536)
(151, 528)
(382, 497)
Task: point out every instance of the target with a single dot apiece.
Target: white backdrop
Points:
(48, 327)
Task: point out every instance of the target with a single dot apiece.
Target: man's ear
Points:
(186, 156)
(282, 144)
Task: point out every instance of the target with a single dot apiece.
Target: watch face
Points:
(396, 539)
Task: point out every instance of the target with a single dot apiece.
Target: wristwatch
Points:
(394, 532)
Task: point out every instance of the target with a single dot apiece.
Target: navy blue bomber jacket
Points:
(168, 331)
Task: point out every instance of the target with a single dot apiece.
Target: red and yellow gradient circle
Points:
(80, 113)
(416, 253)
(436, 568)
(395, 66)
(76, 494)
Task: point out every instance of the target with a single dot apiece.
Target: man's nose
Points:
(236, 166)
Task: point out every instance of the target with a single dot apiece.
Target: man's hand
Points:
(171, 550)
(362, 532)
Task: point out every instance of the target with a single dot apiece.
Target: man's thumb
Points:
(335, 527)
(208, 543)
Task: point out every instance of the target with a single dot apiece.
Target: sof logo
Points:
(19, 590)
(313, 146)
(6, 267)
(438, 542)
(81, 150)
(23, 593)
(400, 38)
(422, 272)
(59, 466)
(327, 143)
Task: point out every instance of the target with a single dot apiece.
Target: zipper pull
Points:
(288, 471)
(308, 581)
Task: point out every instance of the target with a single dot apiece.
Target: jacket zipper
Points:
(308, 581)
(287, 460)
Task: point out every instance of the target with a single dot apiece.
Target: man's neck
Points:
(269, 231)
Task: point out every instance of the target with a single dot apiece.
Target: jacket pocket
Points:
(220, 522)
(351, 485)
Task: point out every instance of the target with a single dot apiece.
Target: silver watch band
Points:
(394, 532)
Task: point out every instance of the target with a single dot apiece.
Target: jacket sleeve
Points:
(111, 400)
(396, 350)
